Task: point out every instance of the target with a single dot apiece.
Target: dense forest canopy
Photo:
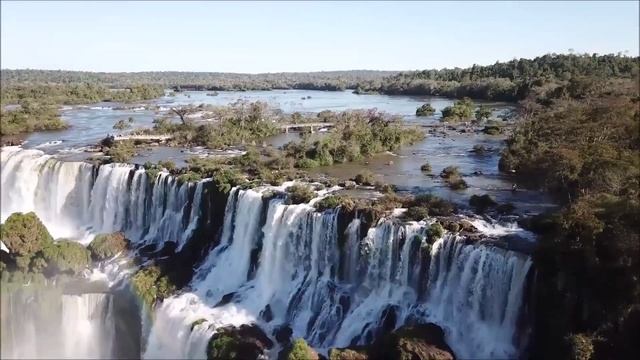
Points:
(323, 80)
(508, 81)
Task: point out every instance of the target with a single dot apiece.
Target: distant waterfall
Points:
(78, 200)
(286, 260)
(49, 325)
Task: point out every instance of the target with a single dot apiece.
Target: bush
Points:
(151, 286)
(481, 203)
(450, 171)
(460, 111)
(483, 113)
(306, 163)
(24, 234)
(456, 183)
(299, 194)
(417, 213)
(365, 178)
(426, 168)
(222, 347)
(425, 110)
(122, 124)
(66, 256)
(581, 346)
(434, 232)
(105, 246)
(121, 151)
(329, 202)
(301, 351)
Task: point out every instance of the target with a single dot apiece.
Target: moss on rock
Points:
(105, 246)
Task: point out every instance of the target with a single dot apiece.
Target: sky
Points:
(255, 37)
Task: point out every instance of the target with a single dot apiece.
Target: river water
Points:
(93, 122)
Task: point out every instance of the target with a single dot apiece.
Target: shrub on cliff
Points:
(121, 151)
(299, 194)
(106, 246)
(435, 232)
(151, 285)
(301, 351)
(24, 234)
(66, 256)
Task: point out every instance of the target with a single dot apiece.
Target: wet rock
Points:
(416, 342)
(247, 342)
(227, 298)
(267, 313)
(283, 334)
(348, 354)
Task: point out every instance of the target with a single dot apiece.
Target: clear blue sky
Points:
(304, 36)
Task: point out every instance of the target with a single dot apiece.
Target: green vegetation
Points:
(580, 141)
(301, 351)
(323, 80)
(435, 232)
(425, 110)
(332, 202)
(121, 151)
(299, 194)
(33, 251)
(24, 234)
(462, 110)
(66, 256)
(105, 246)
(29, 116)
(28, 106)
(221, 348)
(483, 113)
(151, 285)
(425, 205)
(453, 178)
(365, 178)
(506, 81)
(239, 123)
(357, 134)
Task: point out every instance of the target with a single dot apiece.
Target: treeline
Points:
(581, 142)
(28, 108)
(505, 81)
(324, 80)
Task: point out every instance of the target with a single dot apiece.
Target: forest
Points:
(580, 142)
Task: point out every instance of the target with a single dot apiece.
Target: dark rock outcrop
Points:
(417, 342)
(247, 342)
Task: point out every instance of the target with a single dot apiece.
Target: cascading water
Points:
(77, 200)
(274, 265)
(47, 324)
(474, 291)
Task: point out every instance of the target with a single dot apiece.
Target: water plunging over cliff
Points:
(335, 289)
(47, 324)
(334, 279)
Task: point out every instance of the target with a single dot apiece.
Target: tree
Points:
(483, 113)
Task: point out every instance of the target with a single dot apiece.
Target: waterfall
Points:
(279, 264)
(334, 279)
(77, 200)
(47, 324)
